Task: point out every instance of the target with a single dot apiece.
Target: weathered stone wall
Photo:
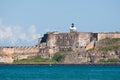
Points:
(92, 56)
(9, 54)
(66, 41)
(84, 39)
(53, 42)
(30, 49)
(7, 51)
(25, 52)
(6, 59)
(108, 35)
(47, 45)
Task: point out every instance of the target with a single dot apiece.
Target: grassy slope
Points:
(110, 44)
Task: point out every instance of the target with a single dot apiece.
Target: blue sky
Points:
(23, 21)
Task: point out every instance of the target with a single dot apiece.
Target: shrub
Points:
(59, 56)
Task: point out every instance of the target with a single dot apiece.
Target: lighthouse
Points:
(73, 28)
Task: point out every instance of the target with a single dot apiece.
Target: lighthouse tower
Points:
(73, 28)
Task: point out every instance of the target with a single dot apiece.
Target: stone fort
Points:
(53, 42)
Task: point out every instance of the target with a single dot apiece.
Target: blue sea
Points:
(59, 72)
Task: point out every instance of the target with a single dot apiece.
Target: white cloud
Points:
(16, 34)
(32, 31)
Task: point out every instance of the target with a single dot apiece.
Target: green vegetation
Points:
(57, 58)
(106, 48)
(115, 39)
(114, 60)
(111, 40)
(110, 44)
(35, 60)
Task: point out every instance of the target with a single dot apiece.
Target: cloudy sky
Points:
(23, 21)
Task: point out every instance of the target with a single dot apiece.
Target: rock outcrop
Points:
(93, 56)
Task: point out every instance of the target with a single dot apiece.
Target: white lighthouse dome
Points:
(73, 28)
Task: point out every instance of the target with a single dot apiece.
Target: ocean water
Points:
(59, 72)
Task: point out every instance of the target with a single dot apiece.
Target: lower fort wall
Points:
(9, 54)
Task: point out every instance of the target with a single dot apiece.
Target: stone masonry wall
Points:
(9, 54)
(108, 35)
(55, 42)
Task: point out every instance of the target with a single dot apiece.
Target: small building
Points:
(73, 28)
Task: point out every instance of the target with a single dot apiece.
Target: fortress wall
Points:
(9, 54)
(51, 40)
(6, 54)
(42, 45)
(26, 50)
(8, 51)
(108, 35)
(6, 59)
(56, 42)
(51, 46)
(66, 41)
(48, 44)
(19, 50)
(84, 39)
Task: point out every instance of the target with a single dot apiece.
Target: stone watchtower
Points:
(73, 28)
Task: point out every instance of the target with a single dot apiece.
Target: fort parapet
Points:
(102, 35)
